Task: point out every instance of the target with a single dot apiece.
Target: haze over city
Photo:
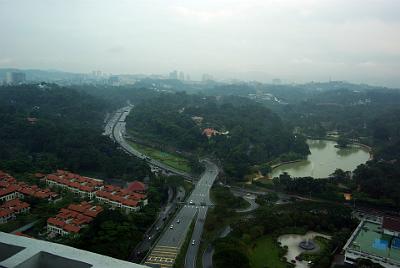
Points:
(296, 41)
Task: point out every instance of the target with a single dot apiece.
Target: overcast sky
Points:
(295, 40)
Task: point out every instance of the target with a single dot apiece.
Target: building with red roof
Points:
(11, 208)
(69, 221)
(6, 215)
(125, 199)
(8, 193)
(83, 186)
(10, 189)
(112, 195)
(209, 132)
(17, 206)
(137, 186)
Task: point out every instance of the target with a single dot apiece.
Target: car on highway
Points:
(171, 227)
(178, 221)
(193, 242)
(191, 202)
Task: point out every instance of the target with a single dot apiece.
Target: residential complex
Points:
(10, 209)
(377, 240)
(69, 221)
(129, 199)
(11, 191)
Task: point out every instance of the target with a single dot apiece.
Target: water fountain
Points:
(307, 244)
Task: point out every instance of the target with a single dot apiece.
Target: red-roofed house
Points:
(209, 132)
(8, 193)
(84, 186)
(16, 206)
(137, 186)
(69, 221)
(6, 215)
(72, 228)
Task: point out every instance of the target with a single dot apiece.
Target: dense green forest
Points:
(45, 127)
(252, 133)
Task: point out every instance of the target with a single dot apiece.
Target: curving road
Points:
(115, 128)
(250, 198)
(168, 245)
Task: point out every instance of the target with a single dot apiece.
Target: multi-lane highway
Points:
(152, 234)
(167, 247)
(115, 128)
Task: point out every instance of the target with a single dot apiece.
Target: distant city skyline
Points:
(293, 40)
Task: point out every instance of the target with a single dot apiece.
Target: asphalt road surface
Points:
(250, 198)
(115, 128)
(167, 247)
(158, 226)
(191, 253)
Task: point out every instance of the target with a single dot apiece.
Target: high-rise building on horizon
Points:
(173, 74)
(207, 77)
(97, 73)
(15, 78)
(181, 76)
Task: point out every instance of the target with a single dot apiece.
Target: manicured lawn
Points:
(266, 254)
(169, 159)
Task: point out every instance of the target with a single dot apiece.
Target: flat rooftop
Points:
(24, 252)
(370, 239)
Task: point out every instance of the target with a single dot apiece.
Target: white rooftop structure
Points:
(23, 252)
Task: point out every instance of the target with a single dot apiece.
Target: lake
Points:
(324, 159)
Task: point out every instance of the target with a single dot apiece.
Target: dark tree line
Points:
(66, 133)
(256, 135)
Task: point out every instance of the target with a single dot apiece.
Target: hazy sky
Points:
(295, 40)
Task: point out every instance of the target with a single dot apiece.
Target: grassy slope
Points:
(266, 254)
(166, 158)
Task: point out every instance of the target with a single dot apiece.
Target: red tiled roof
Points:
(56, 222)
(4, 184)
(130, 202)
(391, 223)
(41, 194)
(86, 188)
(52, 177)
(10, 189)
(209, 132)
(72, 228)
(117, 198)
(137, 196)
(94, 212)
(15, 205)
(80, 207)
(137, 186)
(4, 212)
